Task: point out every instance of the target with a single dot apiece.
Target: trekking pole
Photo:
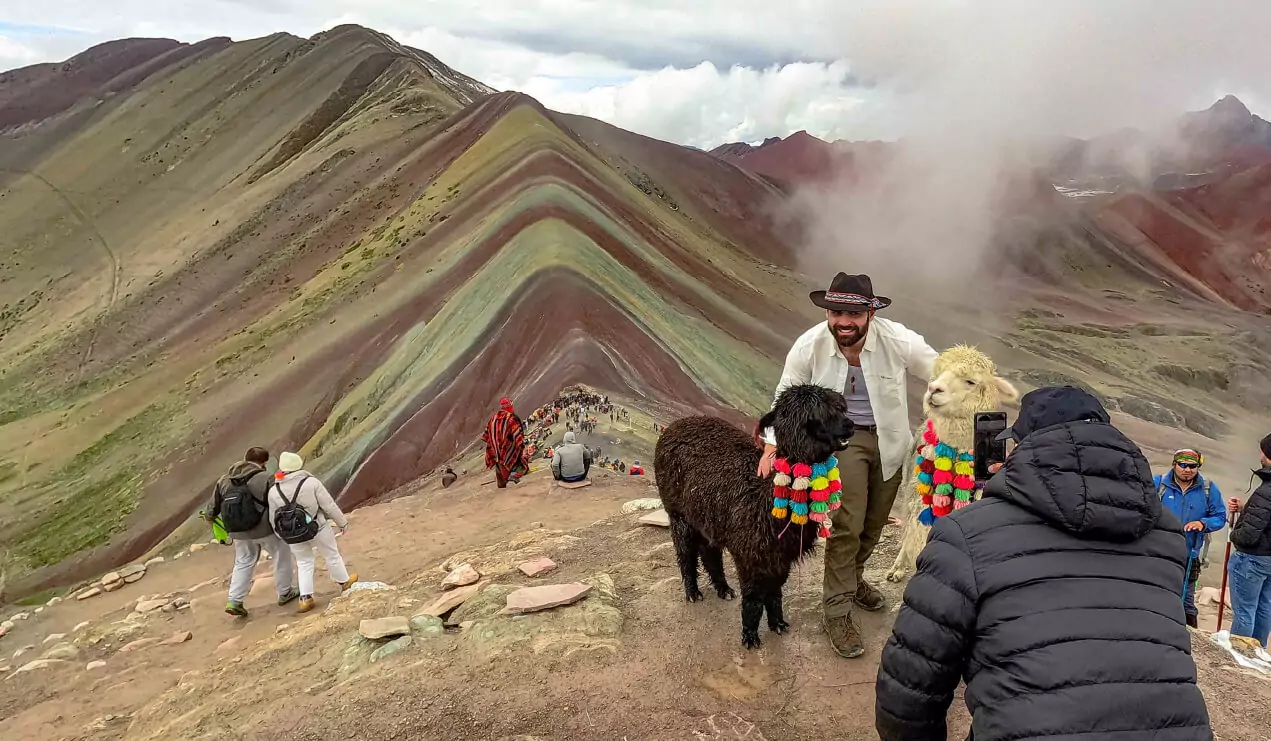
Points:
(1222, 592)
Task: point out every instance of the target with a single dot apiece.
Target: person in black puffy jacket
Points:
(1250, 567)
(1057, 597)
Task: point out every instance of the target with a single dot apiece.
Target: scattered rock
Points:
(536, 525)
(450, 600)
(200, 585)
(80, 627)
(4, 630)
(53, 601)
(660, 550)
(91, 592)
(181, 636)
(229, 645)
(7, 624)
(95, 665)
(466, 624)
(659, 518)
(114, 585)
(179, 555)
(427, 625)
(538, 566)
(170, 607)
(21, 616)
(461, 576)
(641, 505)
(369, 586)
(406, 603)
(22, 650)
(112, 578)
(150, 605)
(38, 664)
(385, 627)
(133, 573)
(533, 599)
(54, 638)
(63, 651)
(139, 644)
(153, 561)
(197, 547)
(281, 628)
(574, 484)
(390, 648)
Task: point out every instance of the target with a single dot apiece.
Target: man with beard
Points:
(867, 358)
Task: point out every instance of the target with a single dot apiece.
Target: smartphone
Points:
(988, 449)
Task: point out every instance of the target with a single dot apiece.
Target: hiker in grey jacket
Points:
(571, 461)
(296, 484)
(248, 544)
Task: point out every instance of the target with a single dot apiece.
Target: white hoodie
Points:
(313, 496)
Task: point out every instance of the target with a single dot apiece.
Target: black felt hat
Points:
(850, 293)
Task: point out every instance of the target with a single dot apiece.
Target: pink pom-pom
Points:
(929, 434)
(959, 504)
(801, 471)
(817, 516)
(941, 502)
(942, 477)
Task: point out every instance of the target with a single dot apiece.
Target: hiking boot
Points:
(868, 597)
(306, 603)
(844, 637)
(352, 580)
(236, 609)
(289, 596)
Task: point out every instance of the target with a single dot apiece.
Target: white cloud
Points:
(14, 53)
(704, 106)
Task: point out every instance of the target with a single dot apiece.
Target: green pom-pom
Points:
(821, 507)
(944, 490)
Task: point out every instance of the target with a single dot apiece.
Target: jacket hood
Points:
(1082, 477)
(570, 438)
(242, 469)
(1264, 473)
(296, 475)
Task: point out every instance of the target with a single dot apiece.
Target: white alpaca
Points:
(964, 383)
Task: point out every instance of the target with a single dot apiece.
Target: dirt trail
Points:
(632, 660)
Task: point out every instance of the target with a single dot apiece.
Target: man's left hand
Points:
(1194, 525)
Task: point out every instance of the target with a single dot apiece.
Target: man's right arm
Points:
(798, 369)
(214, 511)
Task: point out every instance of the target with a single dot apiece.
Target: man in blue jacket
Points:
(1198, 504)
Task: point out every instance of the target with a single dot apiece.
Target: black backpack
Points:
(240, 511)
(292, 522)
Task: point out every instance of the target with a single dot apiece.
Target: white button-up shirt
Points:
(891, 351)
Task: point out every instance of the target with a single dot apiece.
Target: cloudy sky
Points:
(711, 71)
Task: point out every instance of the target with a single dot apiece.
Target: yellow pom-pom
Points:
(833, 474)
(944, 464)
(820, 483)
(923, 489)
(799, 519)
(779, 512)
(964, 468)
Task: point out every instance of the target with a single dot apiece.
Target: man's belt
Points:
(872, 429)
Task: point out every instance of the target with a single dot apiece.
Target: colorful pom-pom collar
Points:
(945, 476)
(806, 493)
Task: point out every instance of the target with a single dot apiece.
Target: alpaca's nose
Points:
(935, 387)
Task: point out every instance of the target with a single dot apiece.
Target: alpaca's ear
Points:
(1005, 389)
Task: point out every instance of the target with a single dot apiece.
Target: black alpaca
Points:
(706, 478)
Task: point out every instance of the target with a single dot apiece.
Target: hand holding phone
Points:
(990, 452)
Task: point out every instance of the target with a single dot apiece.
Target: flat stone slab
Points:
(641, 505)
(181, 636)
(112, 577)
(452, 599)
(461, 576)
(533, 599)
(132, 570)
(151, 605)
(93, 592)
(574, 484)
(385, 627)
(538, 566)
(659, 518)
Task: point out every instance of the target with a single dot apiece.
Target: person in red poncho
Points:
(504, 438)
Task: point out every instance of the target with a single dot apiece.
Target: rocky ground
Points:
(626, 658)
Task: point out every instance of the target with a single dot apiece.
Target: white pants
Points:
(247, 555)
(324, 543)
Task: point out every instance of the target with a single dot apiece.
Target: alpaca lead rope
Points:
(806, 493)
